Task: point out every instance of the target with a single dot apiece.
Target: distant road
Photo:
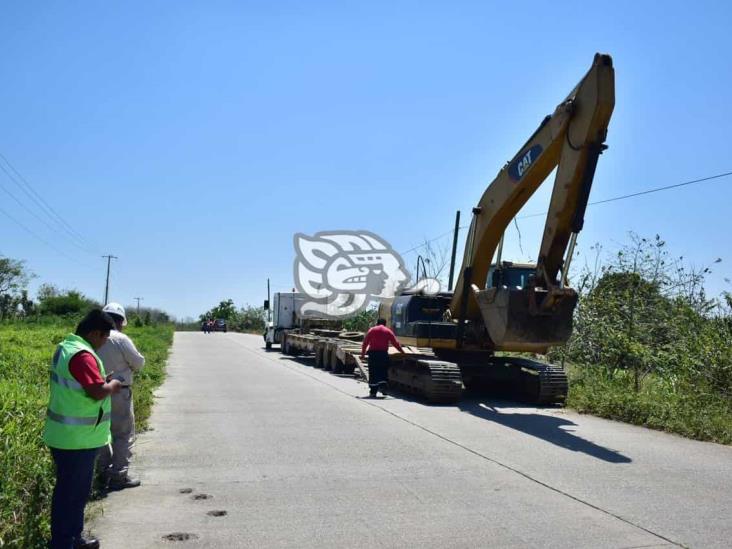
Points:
(295, 457)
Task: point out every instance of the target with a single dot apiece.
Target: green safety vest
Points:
(74, 420)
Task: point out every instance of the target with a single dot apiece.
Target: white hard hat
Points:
(116, 309)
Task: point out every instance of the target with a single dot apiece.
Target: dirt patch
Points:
(180, 536)
(217, 513)
(185, 491)
(199, 497)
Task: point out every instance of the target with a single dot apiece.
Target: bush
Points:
(649, 347)
(71, 303)
(362, 321)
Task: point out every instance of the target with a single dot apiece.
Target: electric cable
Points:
(47, 209)
(604, 201)
(42, 240)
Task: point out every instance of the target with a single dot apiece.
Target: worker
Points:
(77, 425)
(121, 358)
(377, 342)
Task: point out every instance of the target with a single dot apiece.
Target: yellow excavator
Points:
(458, 338)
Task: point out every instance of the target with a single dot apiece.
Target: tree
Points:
(47, 290)
(147, 315)
(246, 319)
(27, 307)
(13, 279)
(250, 319)
(60, 303)
(225, 309)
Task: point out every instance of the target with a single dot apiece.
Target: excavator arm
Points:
(570, 139)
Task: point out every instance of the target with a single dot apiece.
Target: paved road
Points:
(296, 458)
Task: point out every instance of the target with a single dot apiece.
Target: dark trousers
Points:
(378, 370)
(74, 474)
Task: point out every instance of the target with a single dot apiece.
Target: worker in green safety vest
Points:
(77, 425)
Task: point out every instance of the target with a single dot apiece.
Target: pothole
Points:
(185, 491)
(217, 513)
(198, 497)
(180, 536)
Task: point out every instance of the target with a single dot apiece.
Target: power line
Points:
(28, 189)
(34, 214)
(605, 201)
(641, 193)
(426, 242)
(47, 209)
(41, 239)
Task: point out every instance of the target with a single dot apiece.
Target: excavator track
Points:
(436, 381)
(516, 377)
(553, 385)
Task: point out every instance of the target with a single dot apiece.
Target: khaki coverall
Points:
(120, 358)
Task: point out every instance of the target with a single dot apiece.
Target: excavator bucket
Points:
(516, 322)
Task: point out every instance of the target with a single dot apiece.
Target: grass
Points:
(26, 470)
(680, 407)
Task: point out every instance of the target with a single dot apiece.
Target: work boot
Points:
(84, 543)
(120, 483)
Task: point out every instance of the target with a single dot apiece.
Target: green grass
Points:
(26, 470)
(680, 407)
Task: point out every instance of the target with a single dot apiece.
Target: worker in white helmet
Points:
(120, 358)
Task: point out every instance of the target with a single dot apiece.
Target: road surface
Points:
(254, 449)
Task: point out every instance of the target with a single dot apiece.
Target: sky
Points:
(192, 140)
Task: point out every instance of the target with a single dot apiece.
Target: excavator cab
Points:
(511, 275)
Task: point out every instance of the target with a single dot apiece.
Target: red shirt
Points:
(83, 367)
(378, 339)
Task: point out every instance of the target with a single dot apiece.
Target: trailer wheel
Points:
(318, 357)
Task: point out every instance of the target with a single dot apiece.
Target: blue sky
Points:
(193, 139)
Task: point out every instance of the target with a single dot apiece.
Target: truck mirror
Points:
(266, 304)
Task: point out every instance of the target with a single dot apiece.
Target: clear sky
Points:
(193, 139)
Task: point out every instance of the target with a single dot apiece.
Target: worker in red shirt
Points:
(377, 342)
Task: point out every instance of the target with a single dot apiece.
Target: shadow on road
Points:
(549, 428)
(553, 429)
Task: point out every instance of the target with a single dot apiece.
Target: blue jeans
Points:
(74, 475)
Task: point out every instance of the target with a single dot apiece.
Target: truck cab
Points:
(282, 315)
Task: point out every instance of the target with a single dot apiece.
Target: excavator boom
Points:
(570, 140)
(525, 307)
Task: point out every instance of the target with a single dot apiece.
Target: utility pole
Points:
(138, 304)
(454, 250)
(106, 287)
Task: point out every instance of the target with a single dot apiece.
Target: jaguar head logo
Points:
(344, 271)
